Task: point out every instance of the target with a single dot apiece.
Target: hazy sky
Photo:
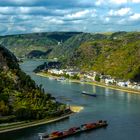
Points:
(24, 16)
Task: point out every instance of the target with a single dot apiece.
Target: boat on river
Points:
(72, 131)
(89, 94)
(61, 79)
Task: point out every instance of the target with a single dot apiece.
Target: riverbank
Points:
(23, 125)
(128, 90)
(33, 123)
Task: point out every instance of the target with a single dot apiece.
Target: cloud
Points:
(82, 14)
(135, 1)
(99, 2)
(37, 29)
(20, 28)
(116, 2)
(120, 12)
(135, 17)
(5, 10)
(23, 10)
(15, 29)
(56, 21)
(78, 14)
(22, 16)
(119, 1)
(107, 19)
(122, 21)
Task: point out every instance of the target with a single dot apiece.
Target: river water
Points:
(120, 109)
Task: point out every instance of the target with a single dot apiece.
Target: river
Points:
(120, 109)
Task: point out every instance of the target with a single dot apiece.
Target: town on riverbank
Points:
(89, 77)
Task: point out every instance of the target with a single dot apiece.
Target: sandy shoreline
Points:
(96, 84)
(76, 109)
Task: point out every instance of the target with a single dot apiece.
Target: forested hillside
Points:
(118, 56)
(20, 97)
(67, 48)
(21, 45)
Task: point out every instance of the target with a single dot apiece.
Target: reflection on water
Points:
(94, 89)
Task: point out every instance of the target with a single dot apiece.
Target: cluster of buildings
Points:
(92, 76)
(108, 80)
(70, 72)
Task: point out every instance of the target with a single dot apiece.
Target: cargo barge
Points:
(72, 131)
(89, 94)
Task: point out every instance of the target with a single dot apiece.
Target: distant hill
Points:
(23, 44)
(70, 45)
(20, 97)
(115, 54)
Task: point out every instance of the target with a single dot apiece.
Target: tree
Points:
(97, 78)
(4, 109)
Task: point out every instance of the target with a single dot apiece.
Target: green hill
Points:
(20, 97)
(67, 48)
(21, 45)
(118, 57)
(115, 54)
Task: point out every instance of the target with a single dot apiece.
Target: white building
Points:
(72, 72)
(89, 77)
(56, 71)
(122, 84)
(108, 81)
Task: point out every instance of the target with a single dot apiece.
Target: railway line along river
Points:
(120, 109)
